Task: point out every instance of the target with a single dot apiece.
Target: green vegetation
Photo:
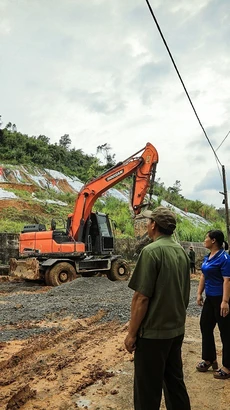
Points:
(10, 226)
(20, 149)
(186, 231)
(119, 214)
(174, 197)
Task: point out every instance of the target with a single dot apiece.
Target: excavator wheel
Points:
(47, 277)
(61, 273)
(120, 270)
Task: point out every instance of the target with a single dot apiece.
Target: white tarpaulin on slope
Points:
(7, 195)
(44, 181)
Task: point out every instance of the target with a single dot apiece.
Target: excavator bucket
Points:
(25, 268)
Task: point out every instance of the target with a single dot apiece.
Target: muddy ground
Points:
(62, 348)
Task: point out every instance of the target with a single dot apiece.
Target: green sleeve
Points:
(145, 274)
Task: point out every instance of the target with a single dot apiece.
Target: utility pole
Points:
(225, 193)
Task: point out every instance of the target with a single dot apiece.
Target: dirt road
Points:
(72, 359)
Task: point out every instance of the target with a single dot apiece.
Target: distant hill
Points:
(30, 179)
(31, 193)
(43, 179)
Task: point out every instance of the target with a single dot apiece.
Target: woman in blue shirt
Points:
(215, 280)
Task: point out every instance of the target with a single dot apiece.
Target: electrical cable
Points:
(182, 82)
(221, 177)
(222, 141)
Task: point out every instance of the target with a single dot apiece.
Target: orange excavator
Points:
(86, 247)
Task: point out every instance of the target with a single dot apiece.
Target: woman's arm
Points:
(200, 290)
(224, 307)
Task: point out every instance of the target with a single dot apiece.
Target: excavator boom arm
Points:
(142, 166)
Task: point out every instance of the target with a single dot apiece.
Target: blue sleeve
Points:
(225, 266)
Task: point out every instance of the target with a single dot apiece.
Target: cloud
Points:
(100, 72)
(210, 188)
(212, 180)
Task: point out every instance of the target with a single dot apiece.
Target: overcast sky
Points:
(99, 71)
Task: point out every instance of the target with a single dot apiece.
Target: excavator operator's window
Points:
(103, 226)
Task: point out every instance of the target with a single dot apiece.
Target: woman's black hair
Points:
(217, 235)
(226, 246)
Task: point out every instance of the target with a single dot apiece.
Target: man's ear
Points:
(153, 225)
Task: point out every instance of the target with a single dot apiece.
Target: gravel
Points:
(81, 298)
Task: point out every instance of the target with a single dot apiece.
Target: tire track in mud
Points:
(60, 365)
(75, 360)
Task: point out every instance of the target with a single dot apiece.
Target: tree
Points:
(105, 149)
(176, 188)
(44, 139)
(65, 141)
(1, 131)
(93, 170)
(8, 126)
(159, 188)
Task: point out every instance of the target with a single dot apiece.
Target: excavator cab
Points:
(98, 234)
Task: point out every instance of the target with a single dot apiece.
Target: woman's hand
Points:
(199, 300)
(224, 308)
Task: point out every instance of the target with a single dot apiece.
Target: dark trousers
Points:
(192, 267)
(210, 316)
(158, 364)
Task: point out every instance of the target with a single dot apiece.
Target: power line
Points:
(223, 141)
(221, 177)
(206, 136)
(182, 82)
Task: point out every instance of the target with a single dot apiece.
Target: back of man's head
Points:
(164, 218)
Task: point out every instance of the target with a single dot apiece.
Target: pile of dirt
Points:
(25, 304)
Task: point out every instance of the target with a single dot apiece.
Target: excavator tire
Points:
(120, 270)
(61, 273)
(47, 277)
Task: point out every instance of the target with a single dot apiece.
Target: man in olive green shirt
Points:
(161, 281)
